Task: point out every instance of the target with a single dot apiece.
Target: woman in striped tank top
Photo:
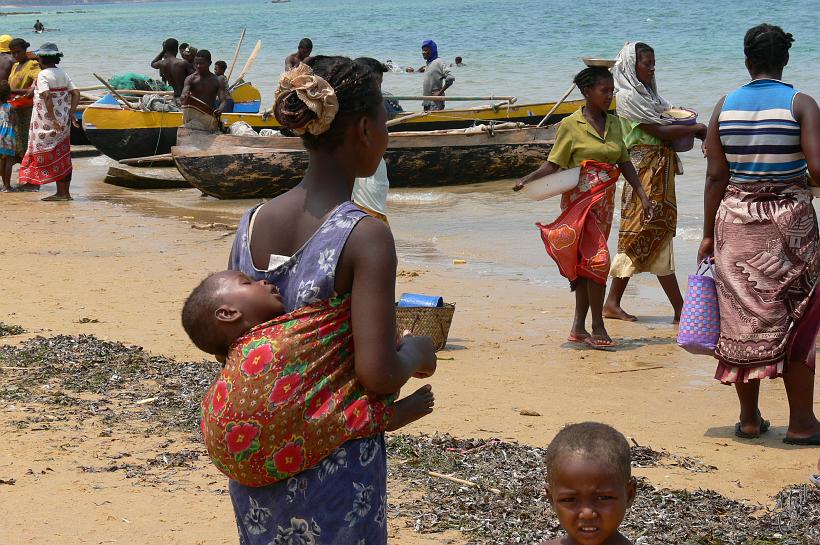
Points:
(761, 228)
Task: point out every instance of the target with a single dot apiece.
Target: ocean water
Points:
(526, 48)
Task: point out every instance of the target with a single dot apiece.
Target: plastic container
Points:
(552, 185)
(420, 300)
(683, 116)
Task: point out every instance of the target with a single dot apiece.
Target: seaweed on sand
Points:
(50, 369)
(10, 329)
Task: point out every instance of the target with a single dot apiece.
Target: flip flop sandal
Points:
(600, 344)
(813, 440)
(764, 427)
(577, 338)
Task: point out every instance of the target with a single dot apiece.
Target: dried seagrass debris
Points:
(644, 456)
(10, 329)
(55, 367)
(521, 514)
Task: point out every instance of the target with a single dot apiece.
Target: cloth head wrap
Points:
(634, 100)
(314, 92)
(5, 42)
(433, 50)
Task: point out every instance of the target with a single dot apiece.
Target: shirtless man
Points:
(302, 53)
(173, 69)
(201, 91)
(6, 58)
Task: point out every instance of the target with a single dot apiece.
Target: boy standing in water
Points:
(590, 484)
(202, 90)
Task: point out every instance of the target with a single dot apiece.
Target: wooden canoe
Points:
(146, 177)
(234, 167)
(124, 134)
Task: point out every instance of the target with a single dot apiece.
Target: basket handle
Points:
(707, 265)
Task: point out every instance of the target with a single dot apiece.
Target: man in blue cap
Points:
(437, 76)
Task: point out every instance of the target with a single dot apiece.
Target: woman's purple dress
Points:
(343, 500)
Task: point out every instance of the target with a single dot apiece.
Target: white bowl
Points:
(552, 185)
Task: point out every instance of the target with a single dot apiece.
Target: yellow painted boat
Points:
(123, 134)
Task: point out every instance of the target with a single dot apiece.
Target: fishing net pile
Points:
(136, 82)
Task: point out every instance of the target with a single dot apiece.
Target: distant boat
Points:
(279, 1)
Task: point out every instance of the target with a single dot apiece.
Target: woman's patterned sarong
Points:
(577, 240)
(767, 257)
(643, 241)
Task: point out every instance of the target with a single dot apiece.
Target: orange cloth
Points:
(577, 240)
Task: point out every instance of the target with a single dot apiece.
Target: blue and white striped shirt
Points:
(759, 134)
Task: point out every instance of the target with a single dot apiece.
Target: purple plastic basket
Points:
(700, 320)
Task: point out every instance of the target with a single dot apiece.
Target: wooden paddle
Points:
(235, 55)
(248, 64)
(402, 119)
(561, 101)
(115, 92)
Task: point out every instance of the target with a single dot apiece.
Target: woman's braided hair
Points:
(357, 91)
(589, 77)
(767, 46)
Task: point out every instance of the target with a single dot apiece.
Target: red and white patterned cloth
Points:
(48, 156)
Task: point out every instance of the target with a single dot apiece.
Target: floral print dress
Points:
(343, 500)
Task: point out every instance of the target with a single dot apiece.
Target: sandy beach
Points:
(118, 265)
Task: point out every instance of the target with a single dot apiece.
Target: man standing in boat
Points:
(303, 52)
(173, 69)
(200, 93)
(437, 76)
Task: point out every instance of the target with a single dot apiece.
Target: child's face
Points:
(219, 69)
(257, 301)
(590, 499)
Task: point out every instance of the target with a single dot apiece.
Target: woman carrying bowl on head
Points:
(650, 134)
(577, 240)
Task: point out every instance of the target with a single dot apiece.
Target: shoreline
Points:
(80, 268)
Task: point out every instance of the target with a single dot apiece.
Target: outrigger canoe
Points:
(124, 134)
(235, 167)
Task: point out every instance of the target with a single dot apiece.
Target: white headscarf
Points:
(634, 100)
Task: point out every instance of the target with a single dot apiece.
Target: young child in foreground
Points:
(590, 484)
(273, 411)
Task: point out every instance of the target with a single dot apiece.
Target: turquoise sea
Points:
(526, 48)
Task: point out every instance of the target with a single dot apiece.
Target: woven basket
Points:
(426, 321)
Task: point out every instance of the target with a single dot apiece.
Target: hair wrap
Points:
(305, 102)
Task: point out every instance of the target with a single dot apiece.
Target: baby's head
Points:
(590, 484)
(226, 305)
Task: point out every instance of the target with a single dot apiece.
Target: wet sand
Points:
(125, 261)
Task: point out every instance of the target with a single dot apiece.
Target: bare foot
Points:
(617, 313)
(58, 197)
(411, 408)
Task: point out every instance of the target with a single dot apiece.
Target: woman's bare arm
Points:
(381, 366)
(717, 178)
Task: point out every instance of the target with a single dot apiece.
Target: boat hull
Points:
(234, 167)
(125, 134)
